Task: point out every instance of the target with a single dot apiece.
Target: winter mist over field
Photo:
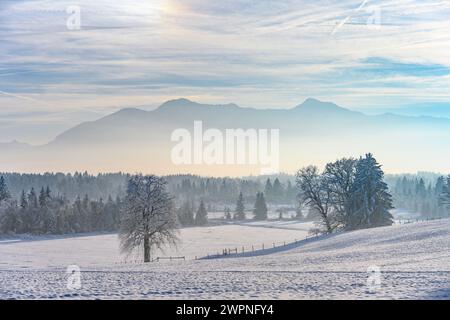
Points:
(240, 149)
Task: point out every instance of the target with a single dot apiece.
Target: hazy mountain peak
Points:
(125, 113)
(130, 111)
(312, 103)
(184, 104)
(177, 103)
(232, 105)
(314, 106)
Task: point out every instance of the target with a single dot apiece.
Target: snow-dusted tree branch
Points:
(148, 219)
(314, 194)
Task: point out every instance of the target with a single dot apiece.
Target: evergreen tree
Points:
(240, 208)
(32, 199)
(10, 221)
(77, 213)
(43, 219)
(420, 188)
(260, 210)
(201, 217)
(44, 197)
(4, 192)
(372, 200)
(48, 192)
(186, 214)
(268, 189)
(23, 205)
(9, 218)
(439, 186)
(32, 213)
(97, 213)
(23, 200)
(277, 191)
(227, 214)
(86, 219)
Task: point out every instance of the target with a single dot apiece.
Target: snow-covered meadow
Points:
(103, 249)
(413, 260)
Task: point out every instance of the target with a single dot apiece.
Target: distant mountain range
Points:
(436, 109)
(313, 132)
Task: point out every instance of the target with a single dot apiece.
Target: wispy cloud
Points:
(255, 53)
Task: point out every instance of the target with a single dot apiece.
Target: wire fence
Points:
(416, 220)
(256, 248)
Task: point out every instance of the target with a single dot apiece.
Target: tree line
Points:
(278, 190)
(69, 185)
(46, 213)
(188, 216)
(420, 196)
(348, 194)
(416, 193)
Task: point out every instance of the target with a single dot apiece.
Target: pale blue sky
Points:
(359, 54)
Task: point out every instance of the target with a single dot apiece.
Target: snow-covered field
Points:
(103, 250)
(414, 260)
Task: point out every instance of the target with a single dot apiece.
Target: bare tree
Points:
(315, 194)
(148, 219)
(339, 177)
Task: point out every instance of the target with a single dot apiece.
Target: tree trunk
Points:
(329, 229)
(146, 248)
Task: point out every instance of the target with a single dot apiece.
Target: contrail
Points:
(344, 21)
(23, 97)
(45, 103)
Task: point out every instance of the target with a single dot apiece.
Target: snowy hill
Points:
(414, 261)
